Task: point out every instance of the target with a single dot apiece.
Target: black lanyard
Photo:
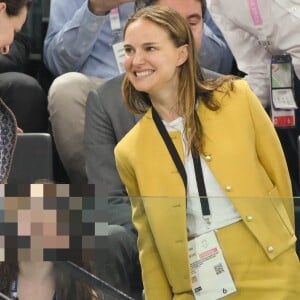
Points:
(179, 165)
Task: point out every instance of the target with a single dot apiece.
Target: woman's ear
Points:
(2, 7)
(182, 54)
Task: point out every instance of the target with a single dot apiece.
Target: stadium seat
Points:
(33, 159)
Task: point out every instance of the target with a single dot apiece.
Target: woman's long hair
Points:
(191, 88)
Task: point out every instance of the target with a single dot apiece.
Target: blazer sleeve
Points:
(270, 152)
(155, 283)
(99, 143)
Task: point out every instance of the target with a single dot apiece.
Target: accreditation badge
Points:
(211, 278)
(114, 17)
(283, 102)
(283, 118)
(119, 54)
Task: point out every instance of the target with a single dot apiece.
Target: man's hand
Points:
(102, 7)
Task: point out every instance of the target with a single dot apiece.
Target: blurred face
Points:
(151, 58)
(9, 25)
(35, 222)
(192, 12)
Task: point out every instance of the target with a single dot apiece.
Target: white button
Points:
(270, 249)
(207, 157)
(228, 188)
(249, 218)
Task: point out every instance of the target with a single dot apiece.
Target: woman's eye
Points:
(150, 49)
(128, 51)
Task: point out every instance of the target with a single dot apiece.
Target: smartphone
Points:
(281, 71)
(282, 89)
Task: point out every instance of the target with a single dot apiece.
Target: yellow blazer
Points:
(243, 152)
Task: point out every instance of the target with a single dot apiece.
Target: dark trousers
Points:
(27, 100)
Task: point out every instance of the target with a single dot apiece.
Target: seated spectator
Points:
(83, 43)
(43, 230)
(257, 32)
(21, 92)
(13, 14)
(48, 222)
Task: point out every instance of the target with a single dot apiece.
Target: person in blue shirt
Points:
(83, 46)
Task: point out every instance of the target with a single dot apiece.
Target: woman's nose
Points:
(4, 50)
(138, 58)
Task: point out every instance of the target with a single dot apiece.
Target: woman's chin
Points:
(141, 88)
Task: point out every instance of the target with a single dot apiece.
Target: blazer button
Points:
(207, 157)
(228, 188)
(270, 249)
(249, 218)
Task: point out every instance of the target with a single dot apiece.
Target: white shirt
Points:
(280, 26)
(222, 210)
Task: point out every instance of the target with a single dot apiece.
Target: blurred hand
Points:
(19, 130)
(101, 7)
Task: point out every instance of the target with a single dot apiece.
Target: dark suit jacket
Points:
(107, 122)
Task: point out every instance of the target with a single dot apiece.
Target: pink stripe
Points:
(114, 11)
(255, 13)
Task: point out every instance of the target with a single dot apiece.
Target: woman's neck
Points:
(36, 270)
(36, 281)
(166, 105)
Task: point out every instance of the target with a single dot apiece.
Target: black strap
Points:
(201, 186)
(179, 165)
(172, 150)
